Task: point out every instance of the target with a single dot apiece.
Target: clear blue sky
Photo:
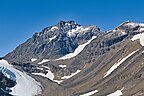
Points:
(19, 19)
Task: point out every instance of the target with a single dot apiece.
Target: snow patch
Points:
(89, 93)
(74, 31)
(33, 59)
(46, 67)
(26, 86)
(78, 29)
(52, 38)
(117, 64)
(116, 93)
(132, 25)
(54, 28)
(62, 66)
(49, 75)
(140, 37)
(43, 61)
(67, 77)
(77, 50)
(85, 29)
(123, 32)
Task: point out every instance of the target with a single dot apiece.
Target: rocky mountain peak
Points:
(70, 24)
(54, 41)
(128, 27)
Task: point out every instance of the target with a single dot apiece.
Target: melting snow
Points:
(140, 37)
(43, 61)
(33, 59)
(118, 64)
(116, 93)
(52, 38)
(67, 77)
(89, 93)
(26, 86)
(77, 50)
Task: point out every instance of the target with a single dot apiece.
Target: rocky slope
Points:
(69, 59)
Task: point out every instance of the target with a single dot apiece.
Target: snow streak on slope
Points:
(26, 86)
(77, 50)
(67, 77)
(140, 37)
(89, 93)
(116, 93)
(118, 64)
(43, 61)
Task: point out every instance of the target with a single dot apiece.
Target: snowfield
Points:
(77, 50)
(26, 86)
(118, 64)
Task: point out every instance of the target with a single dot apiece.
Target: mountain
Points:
(53, 42)
(69, 59)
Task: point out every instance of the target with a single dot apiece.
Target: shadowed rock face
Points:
(86, 71)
